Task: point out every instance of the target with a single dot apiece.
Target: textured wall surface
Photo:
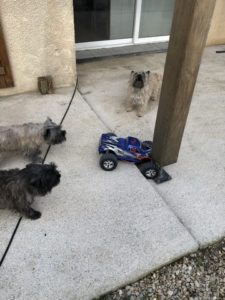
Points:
(39, 35)
(217, 30)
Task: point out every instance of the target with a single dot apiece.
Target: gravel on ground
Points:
(198, 276)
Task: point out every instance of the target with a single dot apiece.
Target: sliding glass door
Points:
(121, 19)
(92, 20)
(156, 18)
(103, 20)
(105, 23)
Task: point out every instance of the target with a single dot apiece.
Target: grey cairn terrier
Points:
(19, 187)
(142, 87)
(28, 138)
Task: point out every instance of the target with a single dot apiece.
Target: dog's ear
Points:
(148, 72)
(45, 179)
(143, 75)
(53, 166)
(35, 181)
(40, 183)
(132, 72)
(32, 171)
(48, 121)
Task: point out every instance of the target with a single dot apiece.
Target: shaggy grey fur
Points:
(18, 188)
(30, 137)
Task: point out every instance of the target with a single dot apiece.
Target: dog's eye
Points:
(47, 133)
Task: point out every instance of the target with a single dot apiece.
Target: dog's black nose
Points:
(139, 77)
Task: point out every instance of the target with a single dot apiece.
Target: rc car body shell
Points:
(128, 149)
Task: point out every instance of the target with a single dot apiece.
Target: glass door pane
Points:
(121, 19)
(101, 20)
(156, 17)
(91, 20)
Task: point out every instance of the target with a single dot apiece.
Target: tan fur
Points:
(140, 97)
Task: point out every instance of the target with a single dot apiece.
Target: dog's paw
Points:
(34, 214)
(128, 109)
(140, 114)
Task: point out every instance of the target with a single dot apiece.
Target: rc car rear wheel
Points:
(146, 145)
(149, 170)
(108, 161)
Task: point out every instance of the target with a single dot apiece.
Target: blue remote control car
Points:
(113, 148)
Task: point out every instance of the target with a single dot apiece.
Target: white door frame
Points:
(125, 42)
(137, 20)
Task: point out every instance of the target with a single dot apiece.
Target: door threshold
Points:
(95, 54)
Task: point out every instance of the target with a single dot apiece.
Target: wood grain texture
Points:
(6, 80)
(189, 31)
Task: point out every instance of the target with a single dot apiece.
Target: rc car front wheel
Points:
(149, 170)
(108, 161)
(111, 134)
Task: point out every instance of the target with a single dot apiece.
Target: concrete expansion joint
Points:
(176, 215)
(95, 112)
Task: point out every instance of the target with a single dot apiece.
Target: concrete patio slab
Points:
(99, 230)
(196, 193)
(19, 109)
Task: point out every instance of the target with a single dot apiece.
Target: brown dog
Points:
(143, 86)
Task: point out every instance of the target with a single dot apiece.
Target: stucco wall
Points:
(39, 35)
(217, 30)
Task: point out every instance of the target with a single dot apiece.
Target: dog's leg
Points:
(22, 205)
(32, 214)
(129, 103)
(129, 107)
(33, 155)
(156, 87)
(155, 94)
(141, 109)
(29, 212)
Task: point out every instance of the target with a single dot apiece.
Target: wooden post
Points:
(6, 79)
(189, 31)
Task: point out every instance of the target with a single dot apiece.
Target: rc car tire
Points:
(148, 169)
(147, 144)
(111, 134)
(108, 161)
